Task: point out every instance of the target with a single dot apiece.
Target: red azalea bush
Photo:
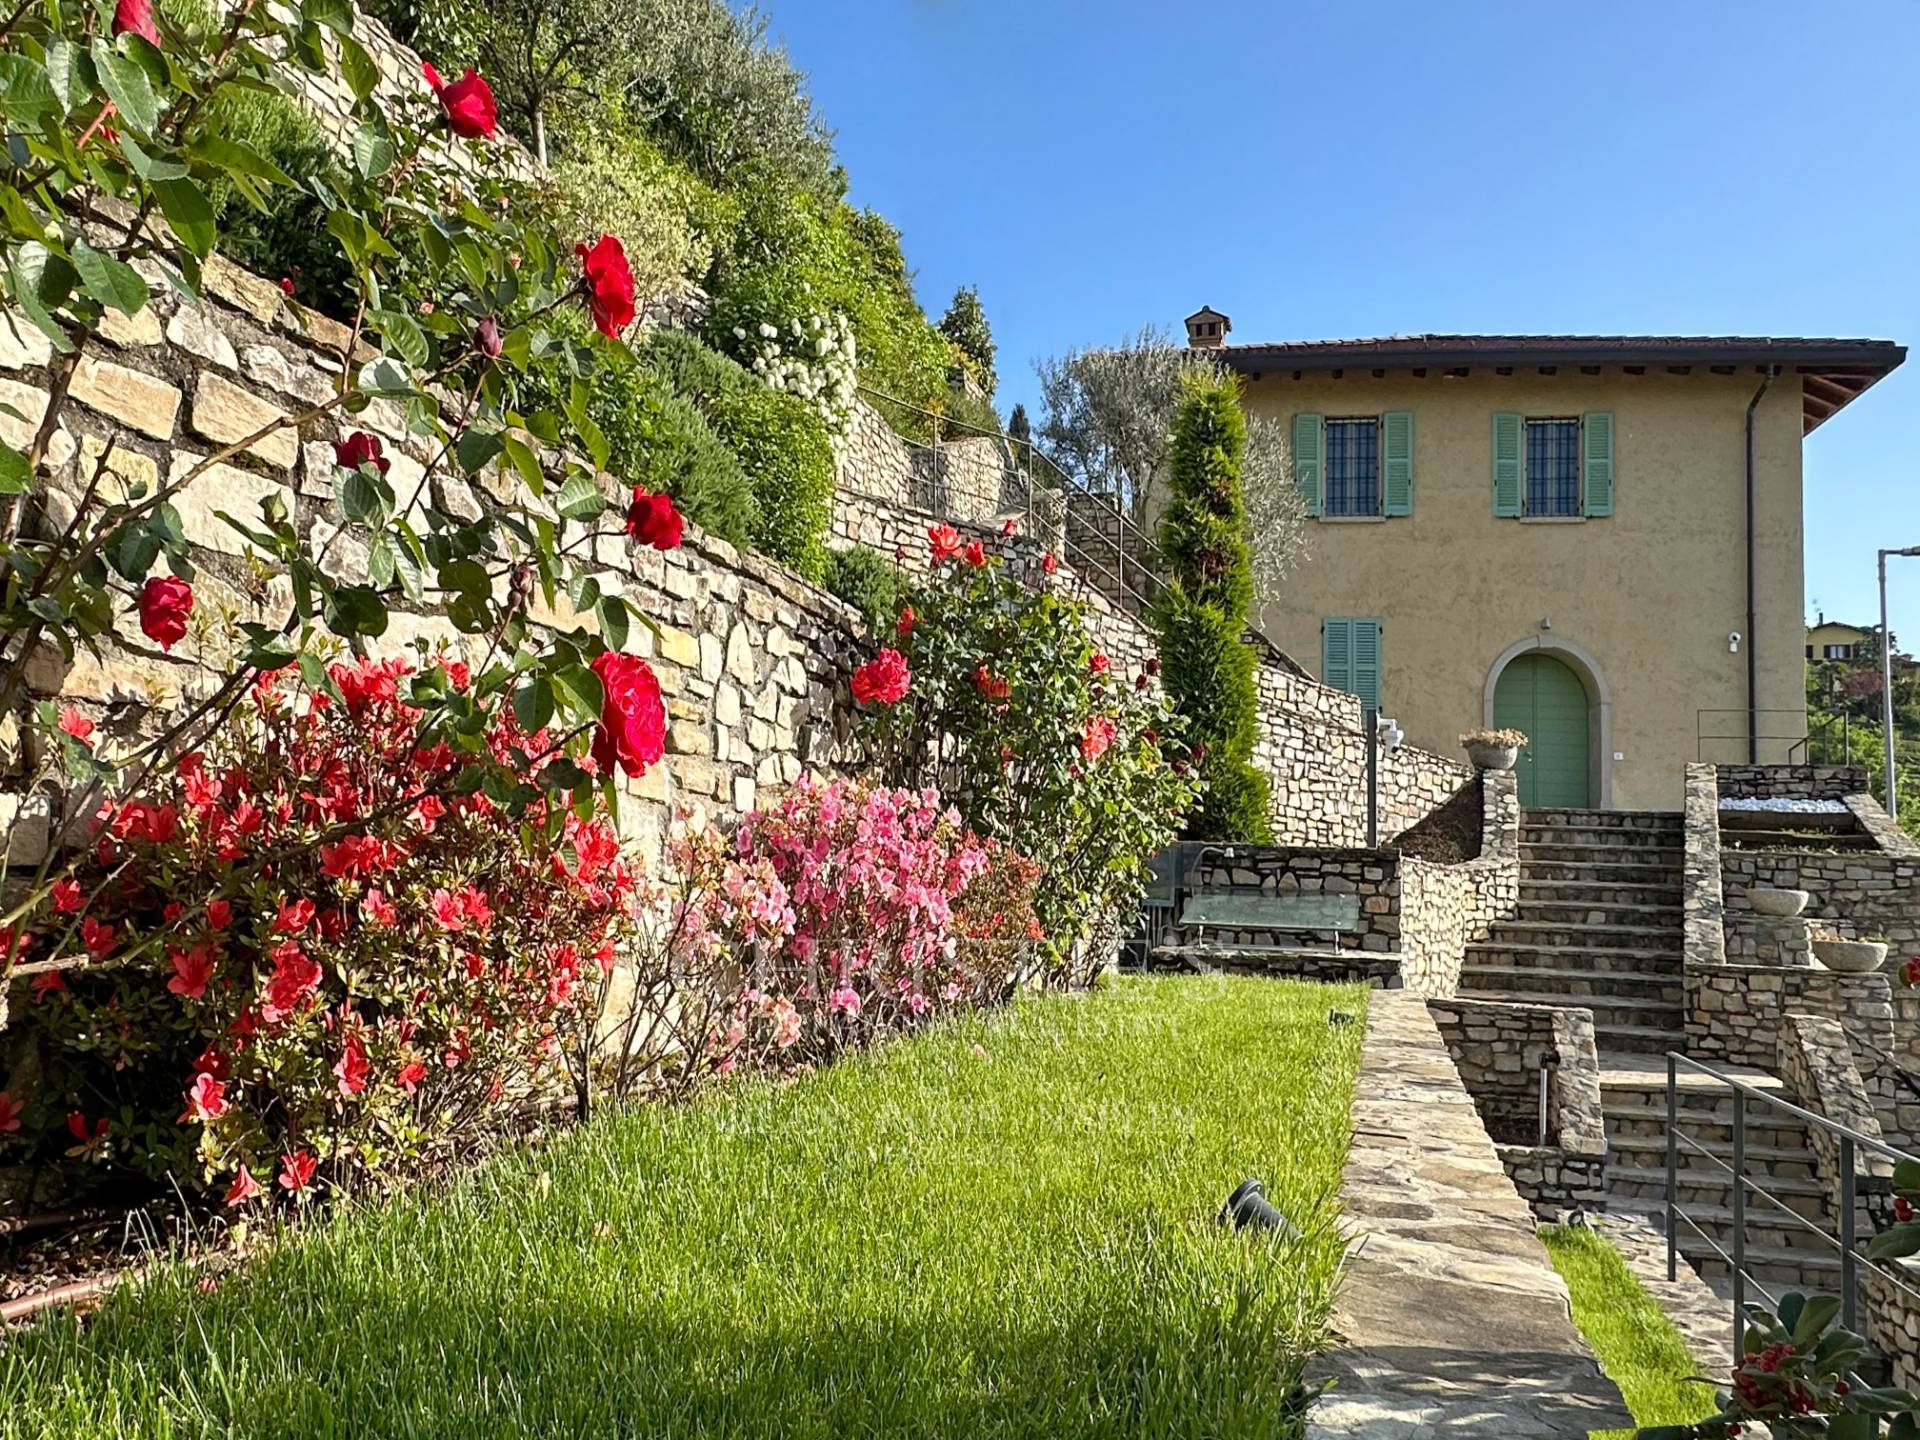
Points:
(849, 912)
(323, 959)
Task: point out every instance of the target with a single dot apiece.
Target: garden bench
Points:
(1245, 908)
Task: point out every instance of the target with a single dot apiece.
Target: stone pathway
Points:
(1455, 1322)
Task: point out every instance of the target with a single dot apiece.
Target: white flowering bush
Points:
(812, 357)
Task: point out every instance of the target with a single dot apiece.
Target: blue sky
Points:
(1317, 168)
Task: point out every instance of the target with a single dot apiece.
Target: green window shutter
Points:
(1396, 462)
(1350, 657)
(1336, 653)
(1307, 433)
(1596, 461)
(1366, 662)
(1508, 462)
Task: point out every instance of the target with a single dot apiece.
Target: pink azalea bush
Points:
(848, 912)
(314, 954)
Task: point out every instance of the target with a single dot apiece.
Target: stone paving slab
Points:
(1455, 1323)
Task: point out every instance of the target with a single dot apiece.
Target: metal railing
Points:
(1713, 728)
(1096, 535)
(1849, 1144)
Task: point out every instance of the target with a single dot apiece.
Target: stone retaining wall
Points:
(1893, 1316)
(1790, 782)
(1444, 908)
(1497, 1048)
(1370, 875)
(1737, 1014)
(752, 659)
(1312, 747)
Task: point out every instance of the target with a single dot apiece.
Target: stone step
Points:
(1768, 1229)
(1609, 1011)
(1576, 985)
(1647, 1123)
(1636, 1039)
(1645, 857)
(1510, 955)
(1526, 930)
(1566, 912)
(1578, 872)
(1711, 1188)
(1664, 893)
(1604, 819)
(1633, 1150)
(1780, 1266)
(1531, 835)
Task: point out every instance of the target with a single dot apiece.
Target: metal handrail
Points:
(1128, 536)
(1851, 1143)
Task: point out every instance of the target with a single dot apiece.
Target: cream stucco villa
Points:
(1596, 539)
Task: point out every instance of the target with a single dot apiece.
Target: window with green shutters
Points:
(1543, 469)
(1354, 467)
(1350, 656)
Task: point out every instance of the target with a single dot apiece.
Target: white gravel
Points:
(1788, 806)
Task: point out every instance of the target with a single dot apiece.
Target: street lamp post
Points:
(1886, 681)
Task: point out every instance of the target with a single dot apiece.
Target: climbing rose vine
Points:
(994, 693)
(334, 960)
(457, 286)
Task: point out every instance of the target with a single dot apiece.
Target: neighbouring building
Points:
(1594, 539)
(1835, 639)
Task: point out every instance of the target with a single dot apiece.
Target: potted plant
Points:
(1493, 749)
(1778, 903)
(1849, 957)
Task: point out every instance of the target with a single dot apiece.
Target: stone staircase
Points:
(1780, 1253)
(1598, 926)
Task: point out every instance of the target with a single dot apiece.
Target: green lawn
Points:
(1001, 1228)
(1638, 1346)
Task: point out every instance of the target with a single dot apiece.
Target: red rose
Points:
(882, 680)
(1097, 738)
(945, 541)
(468, 102)
(903, 627)
(1049, 563)
(609, 285)
(991, 685)
(165, 603)
(975, 555)
(1007, 530)
(136, 17)
(633, 721)
(359, 449)
(1100, 664)
(652, 520)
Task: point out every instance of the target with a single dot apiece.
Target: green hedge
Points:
(1209, 669)
(868, 581)
(781, 442)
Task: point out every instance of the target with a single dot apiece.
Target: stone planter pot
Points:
(1493, 757)
(1850, 957)
(1780, 904)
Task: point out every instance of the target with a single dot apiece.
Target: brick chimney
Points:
(1207, 329)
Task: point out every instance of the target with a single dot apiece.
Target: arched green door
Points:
(1540, 695)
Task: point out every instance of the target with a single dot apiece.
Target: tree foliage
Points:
(1202, 615)
(965, 324)
(1109, 412)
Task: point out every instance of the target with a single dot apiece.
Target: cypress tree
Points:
(1202, 615)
